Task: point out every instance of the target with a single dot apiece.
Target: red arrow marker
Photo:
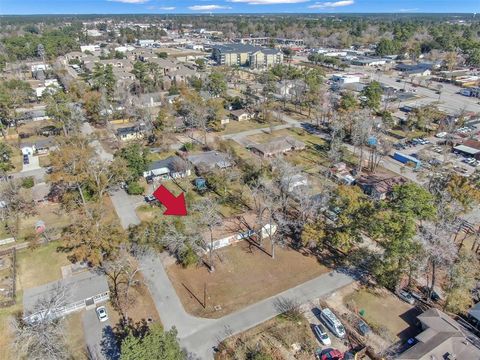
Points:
(175, 204)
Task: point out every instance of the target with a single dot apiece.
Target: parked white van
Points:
(331, 321)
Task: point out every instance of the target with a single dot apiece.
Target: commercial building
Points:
(246, 55)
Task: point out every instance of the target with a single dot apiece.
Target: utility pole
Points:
(204, 295)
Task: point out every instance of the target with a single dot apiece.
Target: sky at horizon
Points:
(26, 7)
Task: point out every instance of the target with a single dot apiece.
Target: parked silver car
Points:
(406, 296)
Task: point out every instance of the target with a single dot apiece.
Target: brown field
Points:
(241, 278)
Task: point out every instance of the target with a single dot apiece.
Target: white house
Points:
(91, 48)
(82, 291)
(235, 229)
(172, 167)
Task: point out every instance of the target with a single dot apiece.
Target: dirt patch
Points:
(242, 277)
(276, 339)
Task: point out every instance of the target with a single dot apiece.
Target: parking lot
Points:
(433, 151)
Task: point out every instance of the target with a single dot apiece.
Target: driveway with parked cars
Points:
(99, 338)
(30, 163)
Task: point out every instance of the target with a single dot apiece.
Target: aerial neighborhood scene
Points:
(239, 180)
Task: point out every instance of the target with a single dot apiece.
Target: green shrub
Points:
(187, 256)
(28, 182)
(188, 146)
(134, 188)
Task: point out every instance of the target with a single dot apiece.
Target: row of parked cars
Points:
(466, 129)
(471, 161)
(411, 296)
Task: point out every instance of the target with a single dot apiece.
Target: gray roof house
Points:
(172, 167)
(74, 293)
(278, 146)
(442, 338)
(210, 160)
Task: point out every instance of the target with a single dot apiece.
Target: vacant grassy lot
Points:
(238, 126)
(385, 313)
(274, 338)
(242, 276)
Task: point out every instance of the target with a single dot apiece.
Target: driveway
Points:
(99, 338)
(34, 164)
(125, 205)
(87, 129)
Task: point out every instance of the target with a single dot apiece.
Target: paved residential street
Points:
(38, 174)
(98, 337)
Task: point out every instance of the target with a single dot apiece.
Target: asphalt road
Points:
(99, 338)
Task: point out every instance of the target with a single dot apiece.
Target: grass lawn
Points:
(34, 268)
(39, 266)
(75, 336)
(241, 278)
(6, 335)
(409, 134)
(385, 313)
(44, 161)
(238, 126)
(274, 338)
(54, 218)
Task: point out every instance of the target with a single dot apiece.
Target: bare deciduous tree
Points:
(41, 334)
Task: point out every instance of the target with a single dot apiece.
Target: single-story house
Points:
(210, 160)
(83, 291)
(379, 186)
(474, 315)
(235, 229)
(40, 147)
(279, 145)
(441, 338)
(240, 115)
(131, 133)
(341, 174)
(294, 182)
(172, 167)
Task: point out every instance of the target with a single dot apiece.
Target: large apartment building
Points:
(246, 55)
